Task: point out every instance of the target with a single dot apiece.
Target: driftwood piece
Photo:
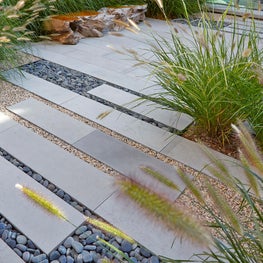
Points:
(70, 28)
(122, 14)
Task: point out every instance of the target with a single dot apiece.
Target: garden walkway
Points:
(121, 84)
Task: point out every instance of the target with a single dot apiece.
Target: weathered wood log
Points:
(123, 13)
(70, 28)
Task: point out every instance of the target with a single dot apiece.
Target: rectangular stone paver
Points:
(8, 255)
(135, 129)
(174, 119)
(79, 179)
(128, 161)
(44, 229)
(118, 155)
(124, 214)
(40, 87)
(52, 120)
(5, 122)
(193, 155)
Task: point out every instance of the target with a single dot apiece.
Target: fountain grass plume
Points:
(41, 201)
(163, 210)
(111, 247)
(109, 228)
(158, 176)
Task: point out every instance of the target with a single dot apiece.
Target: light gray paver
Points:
(40, 87)
(82, 181)
(193, 155)
(174, 119)
(135, 129)
(7, 255)
(128, 160)
(44, 229)
(53, 121)
(118, 155)
(5, 122)
(125, 215)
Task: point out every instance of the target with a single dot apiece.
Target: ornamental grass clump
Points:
(213, 76)
(232, 232)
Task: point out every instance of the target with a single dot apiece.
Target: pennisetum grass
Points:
(214, 77)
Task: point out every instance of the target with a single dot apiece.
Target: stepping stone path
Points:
(87, 185)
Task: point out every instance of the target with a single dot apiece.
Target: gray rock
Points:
(68, 242)
(44, 261)
(26, 169)
(54, 255)
(126, 246)
(62, 250)
(81, 230)
(37, 177)
(80, 258)
(91, 239)
(70, 259)
(21, 239)
(78, 247)
(87, 257)
(134, 260)
(90, 247)
(154, 259)
(11, 242)
(30, 244)
(45, 183)
(51, 187)
(5, 234)
(21, 247)
(18, 252)
(60, 193)
(145, 252)
(54, 261)
(39, 258)
(62, 259)
(26, 256)
(85, 234)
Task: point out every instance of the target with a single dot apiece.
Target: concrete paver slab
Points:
(5, 122)
(41, 87)
(137, 130)
(174, 119)
(82, 181)
(8, 255)
(128, 160)
(122, 213)
(193, 155)
(44, 229)
(52, 120)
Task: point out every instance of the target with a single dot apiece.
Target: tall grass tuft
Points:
(174, 8)
(213, 76)
(234, 237)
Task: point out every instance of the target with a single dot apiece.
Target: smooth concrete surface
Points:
(150, 232)
(79, 179)
(40, 87)
(52, 120)
(174, 119)
(45, 229)
(126, 125)
(129, 161)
